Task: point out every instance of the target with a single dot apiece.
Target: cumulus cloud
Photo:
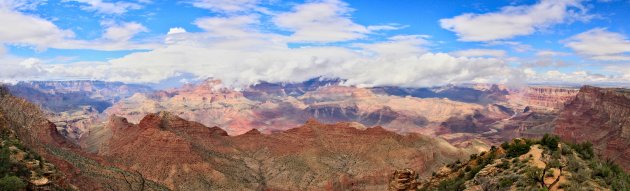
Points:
(100, 6)
(16, 69)
(364, 65)
(600, 44)
(480, 52)
(514, 21)
(324, 21)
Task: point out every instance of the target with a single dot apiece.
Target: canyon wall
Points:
(543, 98)
(601, 116)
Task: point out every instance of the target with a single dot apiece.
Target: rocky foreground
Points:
(522, 164)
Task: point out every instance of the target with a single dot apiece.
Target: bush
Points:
(12, 183)
(451, 185)
(565, 150)
(518, 148)
(505, 164)
(550, 141)
(585, 150)
(507, 182)
(516, 160)
(573, 164)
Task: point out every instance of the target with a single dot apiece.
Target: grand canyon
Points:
(300, 95)
(312, 135)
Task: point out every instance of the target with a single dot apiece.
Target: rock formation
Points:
(403, 180)
(601, 116)
(183, 155)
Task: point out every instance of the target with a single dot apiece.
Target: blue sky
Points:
(370, 43)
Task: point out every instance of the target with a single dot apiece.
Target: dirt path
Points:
(536, 161)
(536, 153)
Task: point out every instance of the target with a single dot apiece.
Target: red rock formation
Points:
(601, 116)
(182, 154)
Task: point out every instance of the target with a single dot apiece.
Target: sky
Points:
(408, 43)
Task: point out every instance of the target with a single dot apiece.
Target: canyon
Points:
(320, 133)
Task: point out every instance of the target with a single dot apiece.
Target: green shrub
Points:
(451, 185)
(12, 183)
(550, 141)
(505, 164)
(566, 150)
(516, 160)
(505, 182)
(585, 150)
(518, 148)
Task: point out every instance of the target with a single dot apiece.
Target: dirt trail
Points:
(536, 161)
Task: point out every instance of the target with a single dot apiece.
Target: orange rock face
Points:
(601, 116)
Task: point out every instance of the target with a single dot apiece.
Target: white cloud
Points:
(408, 64)
(321, 21)
(228, 26)
(32, 31)
(16, 69)
(100, 6)
(600, 44)
(124, 31)
(480, 53)
(176, 30)
(622, 70)
(549, 53)
(27, 29)
(234, 49)
(227, 6)
(238, 48)
(513, 21)
(516, 46)
(580, 77)
(396, 46)
(324, 21)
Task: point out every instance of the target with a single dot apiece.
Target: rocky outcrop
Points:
(600, 116)
(403, 180)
